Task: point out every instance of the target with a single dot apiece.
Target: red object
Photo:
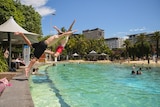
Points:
(59, 49)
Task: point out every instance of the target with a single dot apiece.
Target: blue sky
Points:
(117, 18)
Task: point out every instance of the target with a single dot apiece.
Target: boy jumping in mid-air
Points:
(62, 44)
(40, 47)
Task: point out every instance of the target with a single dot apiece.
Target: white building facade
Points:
(115, 42)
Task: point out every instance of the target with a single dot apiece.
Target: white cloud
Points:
(34, 3)
(137, 29)
(39, 6)
(44, 11)
(120, 33)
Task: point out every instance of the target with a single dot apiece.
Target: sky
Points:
(117, 18)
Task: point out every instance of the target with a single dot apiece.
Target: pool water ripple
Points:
(96, 85)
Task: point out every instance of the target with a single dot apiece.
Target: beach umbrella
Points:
(7, 30)
(103, 54)
(75, 54)
(93, 53)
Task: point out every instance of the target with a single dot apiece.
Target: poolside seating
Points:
(15, 64)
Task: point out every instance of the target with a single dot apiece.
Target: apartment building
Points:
(115, 42)
(133, 38)
(94, 33)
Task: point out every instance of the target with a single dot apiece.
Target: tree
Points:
(81, 45)
(141, 39)
(32, 21)
(156, 38)
(25, 16)
(7, 9)
(77, 44)
(127, 44)
(146, 49)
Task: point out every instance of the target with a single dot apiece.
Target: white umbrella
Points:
(6, 34)
(75, 54)
(103, 54)
(10, 26)
(92, 52)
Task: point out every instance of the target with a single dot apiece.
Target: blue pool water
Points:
(95, 85)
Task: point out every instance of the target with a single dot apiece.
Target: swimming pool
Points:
(95, 85)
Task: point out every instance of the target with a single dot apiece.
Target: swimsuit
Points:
(59, 49)
(39, 49)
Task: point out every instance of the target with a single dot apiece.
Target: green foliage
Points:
(32, 19)
(156, 40)
(79, 44)
(24, 15)
(7, 9)
(144, 46)
(127, 44)
(3, 63)
(142, 50)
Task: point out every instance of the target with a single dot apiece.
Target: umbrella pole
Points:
(9, 44)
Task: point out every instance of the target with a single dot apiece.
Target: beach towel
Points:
(2, 87)
(5, 81)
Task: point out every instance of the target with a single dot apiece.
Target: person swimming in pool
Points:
(40, 47)
(133, 69)
(139, 72)
(133, 72)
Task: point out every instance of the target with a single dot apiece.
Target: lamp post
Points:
(51, 23)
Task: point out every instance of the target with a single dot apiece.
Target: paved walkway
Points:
(18, 94)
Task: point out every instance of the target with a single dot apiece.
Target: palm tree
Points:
(141, 39)
(127, 44)
(156, 38)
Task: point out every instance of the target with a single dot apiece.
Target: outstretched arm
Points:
(65, 40)
(58, 30)
(69, 29)
(51, 39)
(24, 37)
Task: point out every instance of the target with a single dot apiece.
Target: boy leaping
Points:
(40, 47)
(62, 43)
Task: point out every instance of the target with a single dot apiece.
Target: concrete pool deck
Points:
(18, 94)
